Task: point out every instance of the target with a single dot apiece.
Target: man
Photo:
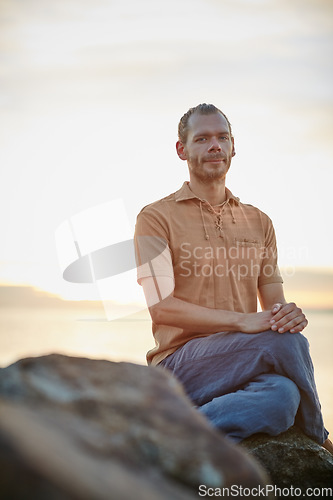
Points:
(203, 259)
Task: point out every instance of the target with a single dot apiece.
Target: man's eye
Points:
(224, 137)
(200, 139)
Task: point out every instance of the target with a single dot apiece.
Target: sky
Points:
(91, 93)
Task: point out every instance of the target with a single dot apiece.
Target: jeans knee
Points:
(286, 402)
(288, 392)
(288, 344)
(296, 339)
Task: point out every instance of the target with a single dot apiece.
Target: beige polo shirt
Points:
(216, 261)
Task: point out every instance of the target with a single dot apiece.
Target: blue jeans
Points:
(249, 383)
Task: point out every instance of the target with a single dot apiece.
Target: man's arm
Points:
(286, 316)
(165, 309)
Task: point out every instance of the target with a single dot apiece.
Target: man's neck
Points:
(213, 192)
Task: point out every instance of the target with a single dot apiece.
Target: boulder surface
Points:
(75, 428)
(294, 459)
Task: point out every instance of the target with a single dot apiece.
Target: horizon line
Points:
(317, 298)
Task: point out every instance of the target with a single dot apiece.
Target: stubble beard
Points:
(209, 176)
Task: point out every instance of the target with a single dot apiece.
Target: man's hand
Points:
(256, 322)
(287, 317)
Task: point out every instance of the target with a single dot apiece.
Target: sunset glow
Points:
(91, 98)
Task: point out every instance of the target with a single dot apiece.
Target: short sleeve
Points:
(269, 272)
(153, 255)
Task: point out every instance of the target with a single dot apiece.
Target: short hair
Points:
(202, 109)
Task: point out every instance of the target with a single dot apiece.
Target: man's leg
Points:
(267, 404)
(222, 363)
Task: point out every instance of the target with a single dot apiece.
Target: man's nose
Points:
(214, 145)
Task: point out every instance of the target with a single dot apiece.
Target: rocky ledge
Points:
(82, 429)
(73, 428)
(293, 459)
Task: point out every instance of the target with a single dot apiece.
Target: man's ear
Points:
(181, 150)
(233, 147)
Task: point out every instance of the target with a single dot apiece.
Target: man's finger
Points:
(294, 326)
(276, 308)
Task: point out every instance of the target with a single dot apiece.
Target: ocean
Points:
(33, 331)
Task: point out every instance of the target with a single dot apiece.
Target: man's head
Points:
(202, 109)
(206, 143)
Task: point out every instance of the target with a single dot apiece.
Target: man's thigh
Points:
(211, 366)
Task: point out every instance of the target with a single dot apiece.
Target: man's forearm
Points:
(179, 313)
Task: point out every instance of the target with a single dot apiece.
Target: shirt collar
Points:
(185, 193)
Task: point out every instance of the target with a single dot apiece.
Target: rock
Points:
(293, 459)
(73, 428)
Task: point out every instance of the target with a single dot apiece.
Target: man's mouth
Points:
(214, 159)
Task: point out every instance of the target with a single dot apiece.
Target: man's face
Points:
(209, 147)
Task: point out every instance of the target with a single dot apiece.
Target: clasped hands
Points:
(287, 317)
